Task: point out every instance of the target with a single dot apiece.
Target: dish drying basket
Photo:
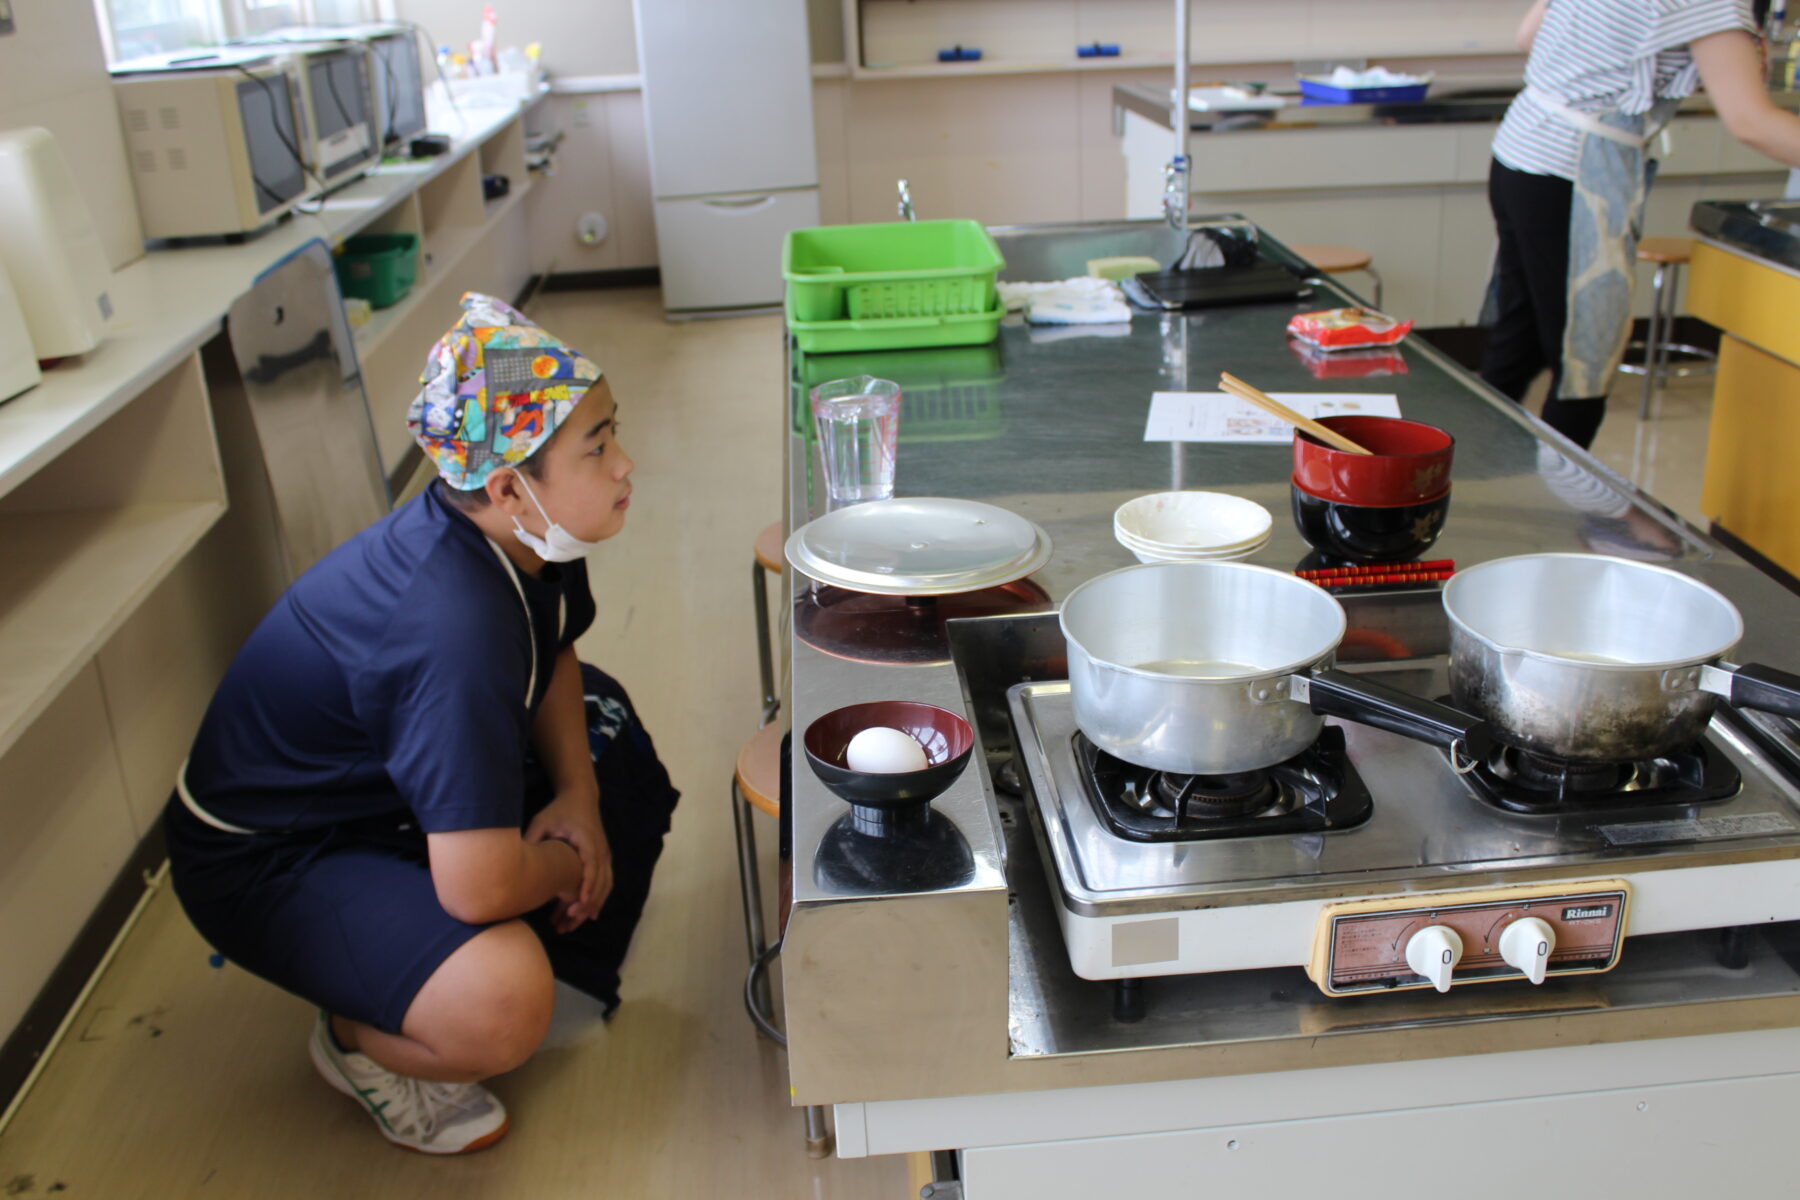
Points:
(890, 271)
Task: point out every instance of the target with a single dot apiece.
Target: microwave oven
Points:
(340, 108)
(396, 80)
(215, 141)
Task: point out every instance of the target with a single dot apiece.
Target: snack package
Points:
(1348, 364)
(1348, 328)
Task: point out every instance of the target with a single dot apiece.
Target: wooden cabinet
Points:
(1750, 488)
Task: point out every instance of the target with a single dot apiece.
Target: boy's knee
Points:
(508, 1027)
(490, 1006)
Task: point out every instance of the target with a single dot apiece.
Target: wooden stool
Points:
(756, 787)
(768, 559)
(1669, 254)
(1335, 260)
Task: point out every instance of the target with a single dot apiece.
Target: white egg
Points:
(883, 751)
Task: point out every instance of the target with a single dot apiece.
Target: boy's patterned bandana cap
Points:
(494, 389)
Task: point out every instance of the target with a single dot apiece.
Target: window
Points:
(138, 27)
(132, 28)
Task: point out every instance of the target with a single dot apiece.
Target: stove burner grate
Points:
(1521, 781)
(1317, 789)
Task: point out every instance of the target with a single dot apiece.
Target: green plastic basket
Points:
(378, 267)
(895, 333)
(902, 269)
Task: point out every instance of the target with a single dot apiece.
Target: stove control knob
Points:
(1434, 952)
(1526, 944)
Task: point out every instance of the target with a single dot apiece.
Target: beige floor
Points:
(179, 1080)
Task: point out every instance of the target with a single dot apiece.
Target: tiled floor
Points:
(179, 1080)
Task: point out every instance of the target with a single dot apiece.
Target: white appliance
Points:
(733, 165)
(50, 248)
(214, 139)
(18, 361)
(343, 136)
(396, 81)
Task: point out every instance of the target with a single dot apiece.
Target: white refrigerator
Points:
(733, 167)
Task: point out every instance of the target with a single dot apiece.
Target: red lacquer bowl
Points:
(1408, 463)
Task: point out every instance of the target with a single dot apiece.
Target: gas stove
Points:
(1376, 864)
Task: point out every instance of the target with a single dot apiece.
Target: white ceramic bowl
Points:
(1130, 539)
(1186, 522)
(1150, 556)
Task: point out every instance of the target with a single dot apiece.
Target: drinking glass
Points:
(859, 432)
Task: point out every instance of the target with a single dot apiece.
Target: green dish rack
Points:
(378, 267)
(892, 286)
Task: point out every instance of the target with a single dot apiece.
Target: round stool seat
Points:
(1665, 249)
(1333, 259)
(769, 549)
(759, 769)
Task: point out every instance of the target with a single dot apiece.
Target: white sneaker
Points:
(420, 1114)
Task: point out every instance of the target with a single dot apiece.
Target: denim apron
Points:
(1606, 217)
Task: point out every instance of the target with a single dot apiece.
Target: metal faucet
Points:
(906, 204)
(1175, 175)
(1175, 193)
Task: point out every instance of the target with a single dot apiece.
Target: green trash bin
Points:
(378, 267)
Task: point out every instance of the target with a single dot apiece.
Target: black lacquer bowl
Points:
(885, 799)
(1366, 533)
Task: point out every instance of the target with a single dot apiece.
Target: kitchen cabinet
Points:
(1749, 488)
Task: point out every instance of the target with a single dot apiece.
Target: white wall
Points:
(997, 148)
(53, 74)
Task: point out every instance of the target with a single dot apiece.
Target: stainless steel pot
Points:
(1212, 668)
(1598, 659)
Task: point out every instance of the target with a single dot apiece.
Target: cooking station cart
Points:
(1076, 991)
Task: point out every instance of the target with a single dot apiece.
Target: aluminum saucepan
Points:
(1211, 668)
(1597, 659)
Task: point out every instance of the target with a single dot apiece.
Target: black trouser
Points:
(1531, 281)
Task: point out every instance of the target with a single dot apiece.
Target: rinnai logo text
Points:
(1587, 914)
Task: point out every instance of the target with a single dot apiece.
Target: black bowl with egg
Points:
(889, 799)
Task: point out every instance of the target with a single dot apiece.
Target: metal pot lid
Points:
(921, 546)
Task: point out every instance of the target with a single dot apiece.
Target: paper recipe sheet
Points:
(1221, 417)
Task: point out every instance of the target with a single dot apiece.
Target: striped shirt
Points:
(1605, 55)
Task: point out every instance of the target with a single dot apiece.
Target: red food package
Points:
(1348, 364)
(1348, 328)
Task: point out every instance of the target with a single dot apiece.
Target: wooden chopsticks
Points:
(1331, 437)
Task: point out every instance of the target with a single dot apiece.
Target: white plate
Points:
(1193, 520)
(922, 546)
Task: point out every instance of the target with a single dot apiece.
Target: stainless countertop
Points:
(1049, 424)
(1765, 229)
(1448, 103)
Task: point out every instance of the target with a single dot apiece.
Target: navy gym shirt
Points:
(390, 678)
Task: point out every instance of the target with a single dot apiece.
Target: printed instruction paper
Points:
(1222, 417)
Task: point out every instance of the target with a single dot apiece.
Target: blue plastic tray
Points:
(1315, 91)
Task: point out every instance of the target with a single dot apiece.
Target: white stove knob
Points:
(1526, 944)
(1434, 952)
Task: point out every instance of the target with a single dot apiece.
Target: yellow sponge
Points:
(1122, 266)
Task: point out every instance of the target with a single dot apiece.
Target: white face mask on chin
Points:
(558, 544)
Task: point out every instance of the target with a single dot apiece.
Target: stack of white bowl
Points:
(1192, 527)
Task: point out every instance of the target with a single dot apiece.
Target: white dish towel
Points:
(1083, 300)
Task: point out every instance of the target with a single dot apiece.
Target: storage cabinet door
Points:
(725, 251)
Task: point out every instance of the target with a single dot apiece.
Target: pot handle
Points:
(1755, 686)
(1340, 694)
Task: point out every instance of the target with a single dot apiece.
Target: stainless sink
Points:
(1037, 252)
(1779, 214)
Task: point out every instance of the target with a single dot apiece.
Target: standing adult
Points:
(1571, 169)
